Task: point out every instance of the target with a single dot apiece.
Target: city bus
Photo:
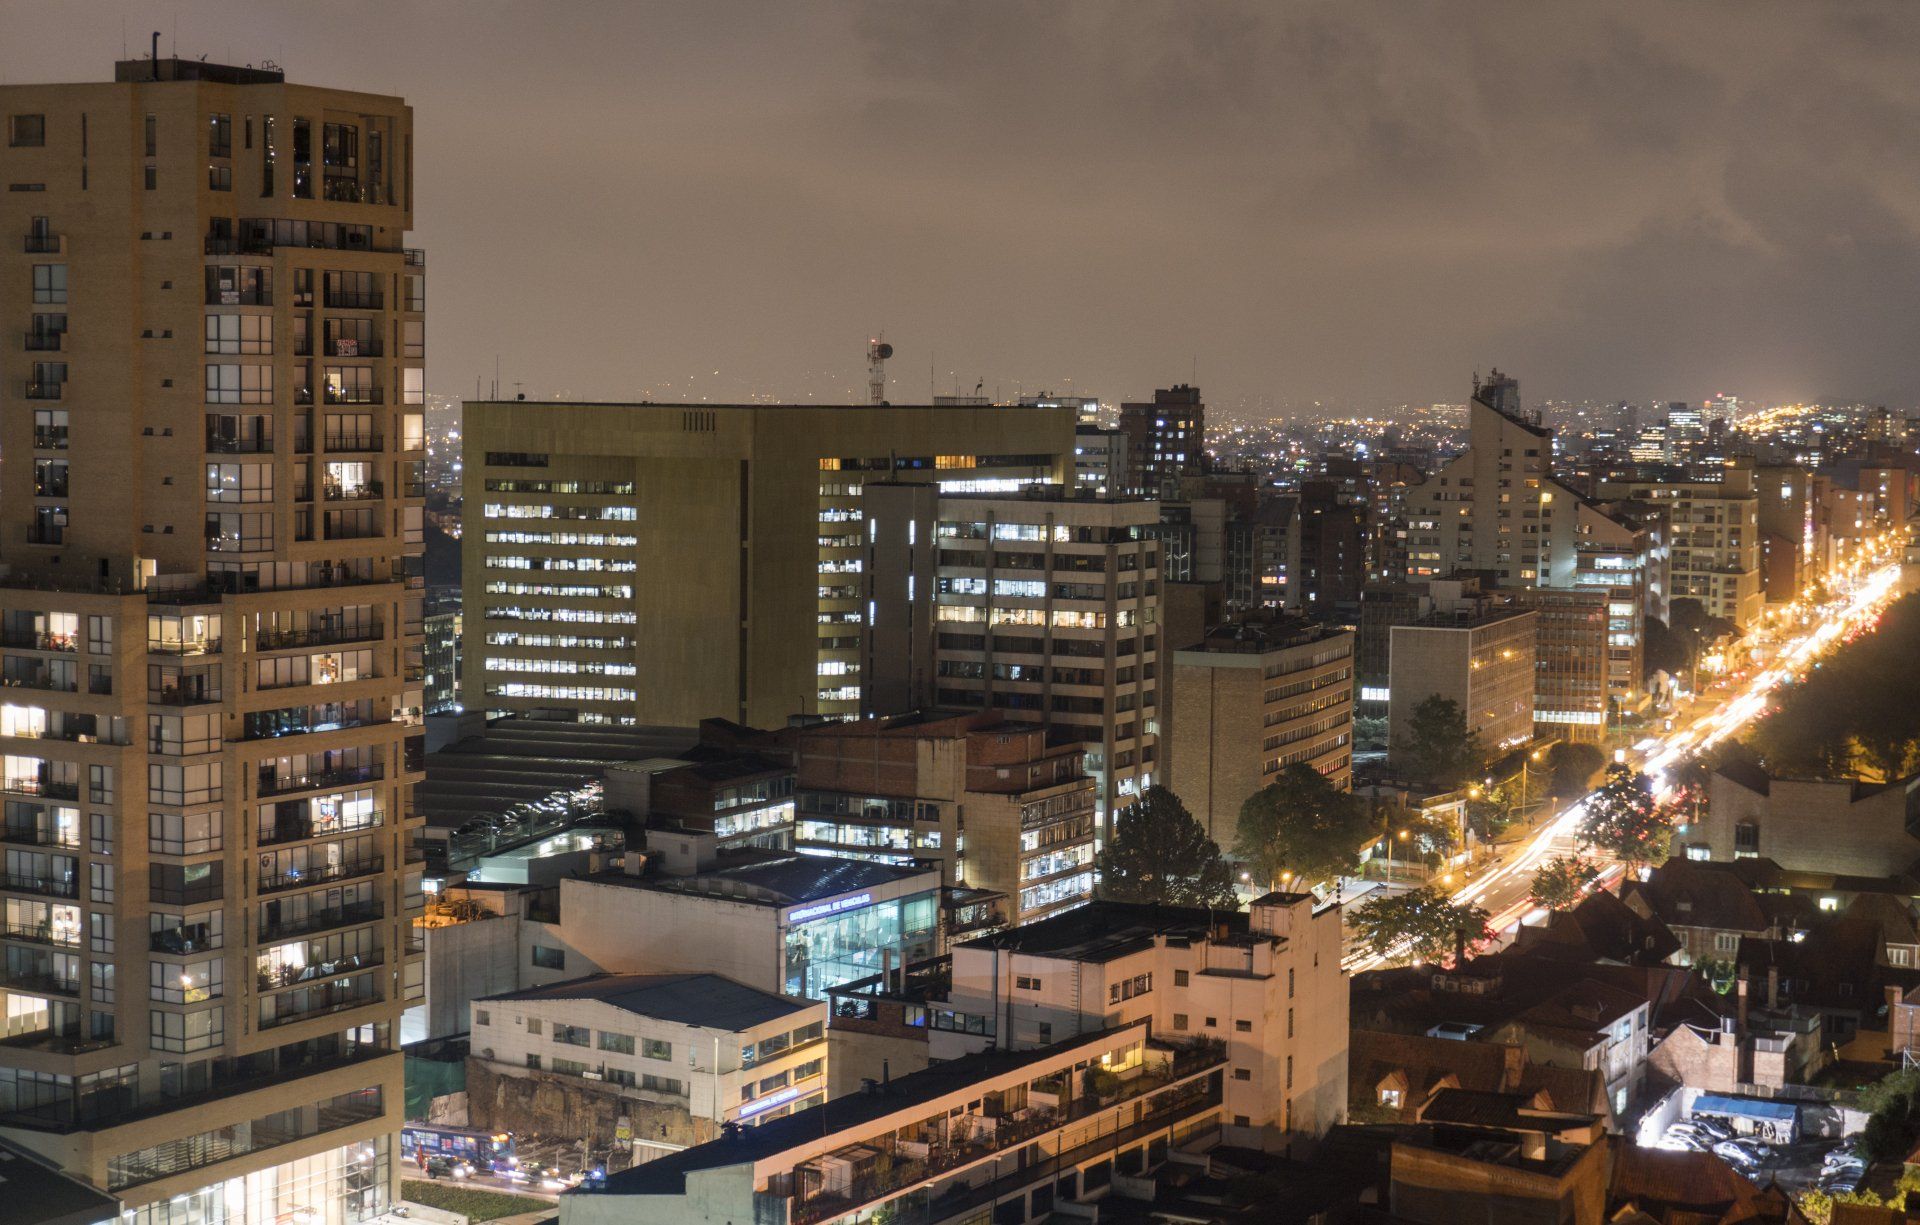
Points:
(487, 1151)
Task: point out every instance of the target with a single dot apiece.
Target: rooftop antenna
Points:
(878, 351)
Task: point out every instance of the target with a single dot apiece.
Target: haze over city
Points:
(1354, 204)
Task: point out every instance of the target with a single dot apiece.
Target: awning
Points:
(1751, 1108)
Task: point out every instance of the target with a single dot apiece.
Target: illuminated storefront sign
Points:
(820, 910)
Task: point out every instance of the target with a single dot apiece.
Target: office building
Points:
(1791, 514)
(664, 564)
(1571, 665)
(676, 1057)
(1250, 699)
(211, 525)
(1714, 552)
(790, 924)
(999, 806)
(1166, 441)
(1044, 606)
(1481, 658)
(1100, 460)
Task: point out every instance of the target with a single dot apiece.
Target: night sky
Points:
(1352, 203)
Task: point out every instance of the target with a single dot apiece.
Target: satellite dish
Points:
(885, 351)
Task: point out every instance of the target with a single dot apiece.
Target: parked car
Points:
(1736, 1155)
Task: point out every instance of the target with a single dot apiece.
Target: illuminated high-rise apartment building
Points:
(210, 524)
(668, 563)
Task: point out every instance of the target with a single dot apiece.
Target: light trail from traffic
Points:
(1869, 597)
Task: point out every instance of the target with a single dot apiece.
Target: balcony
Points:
(293, 976)
(416, 258)
(346, 346)
(44, 391)
(319, 636)
(170, 889)
(351, 443)
(196, 646)
(46, 342)
(351, 395)
(239, 446)
(40, 886)
(300, 831)
(38, 982)
(46, 788)
(322, 1001)
(39, 835)
(63, 1041)
(36, 640)
(325, 874)
(363, 491)
(250, 244)
(354, 300)
(183, 696)
(351, 915)
(46, 244)
(186, 941)
(41, 933)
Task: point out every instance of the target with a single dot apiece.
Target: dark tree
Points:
(1420, 925)
(1571, 767)
(1301, 824)
(1561, 881)
(1159, 853)
(1437, 747)
(1624, 820)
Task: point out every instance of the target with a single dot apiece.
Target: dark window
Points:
(1746, 838)
(26, 131)
(549, 959)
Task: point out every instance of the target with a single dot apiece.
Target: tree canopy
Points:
(1560, 881)
(1436, 747)
(1571, 767)
(1303, 824)
(1853, 713)
(1419, 925)
(1159, 853)
(1624, 820)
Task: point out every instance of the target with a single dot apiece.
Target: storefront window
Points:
(834, 948)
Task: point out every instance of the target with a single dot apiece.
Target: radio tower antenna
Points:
(878, 351)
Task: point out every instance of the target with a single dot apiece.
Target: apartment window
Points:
(572, 1035)
(239, 384)
(1242, 1074)
(153, 134)
(547, 959)
(622, 1078)
(653, 1048)
(220, 135)
(482, 1017)
(49, 283)
(239, 482)
(533, 1061)
(219, 178)
(186, 1031)
(26, 131)
(1726, 942)
(533, 1026)
(100, 784)
(152, 179)
(1746, 838)
(1026, 982)
(1243, 1027)
(616, 1044)
(1179, 978)
(239, 334)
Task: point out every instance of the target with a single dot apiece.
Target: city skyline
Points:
(1313, 204)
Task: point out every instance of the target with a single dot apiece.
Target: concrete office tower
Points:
(1714, 553)
(664, 564)
(1479, 657)
(210, 520)
(1250, 700)
(1165, 441)
(1044, 606)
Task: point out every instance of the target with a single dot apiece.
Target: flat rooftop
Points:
(780, 880)
(37, 1193)
(684, 999)
(1101, 930)
(169, 68)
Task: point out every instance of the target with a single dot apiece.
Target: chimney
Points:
(1740, 1001)
(636, 863)
(1773, 988)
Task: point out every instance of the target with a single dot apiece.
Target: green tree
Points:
(1893, 1116)
(1301, 824)
(1419, 925)
(1160, 854)
(1561, 881)
(1624, 820)
(1437, 747)
(1817, 1205)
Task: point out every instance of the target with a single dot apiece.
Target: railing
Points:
(353, 395)
(42, 787)
(50, 440)
(41, 885)
(200, 646)
(39, 933)
(300, 831)
(63, 1041)
(45, 342)
(364, 491)
(52, 489)
(183, 943)
(354, 442)
(45, 244)
(242, 245)
(283, 785)
(39, 982)
(332, 917)
(281, 882)
(293, 976)
(416, 258)
(45, 391)
(182, 697)
(20, 836)
(358, 1000)
(370, 348)
(239, 446)
(34, 640)
(280, 640)
(348, 299)
(185, 895)
(42, 681)
(239, 297)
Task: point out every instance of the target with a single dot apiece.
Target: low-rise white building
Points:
(662, 1060)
